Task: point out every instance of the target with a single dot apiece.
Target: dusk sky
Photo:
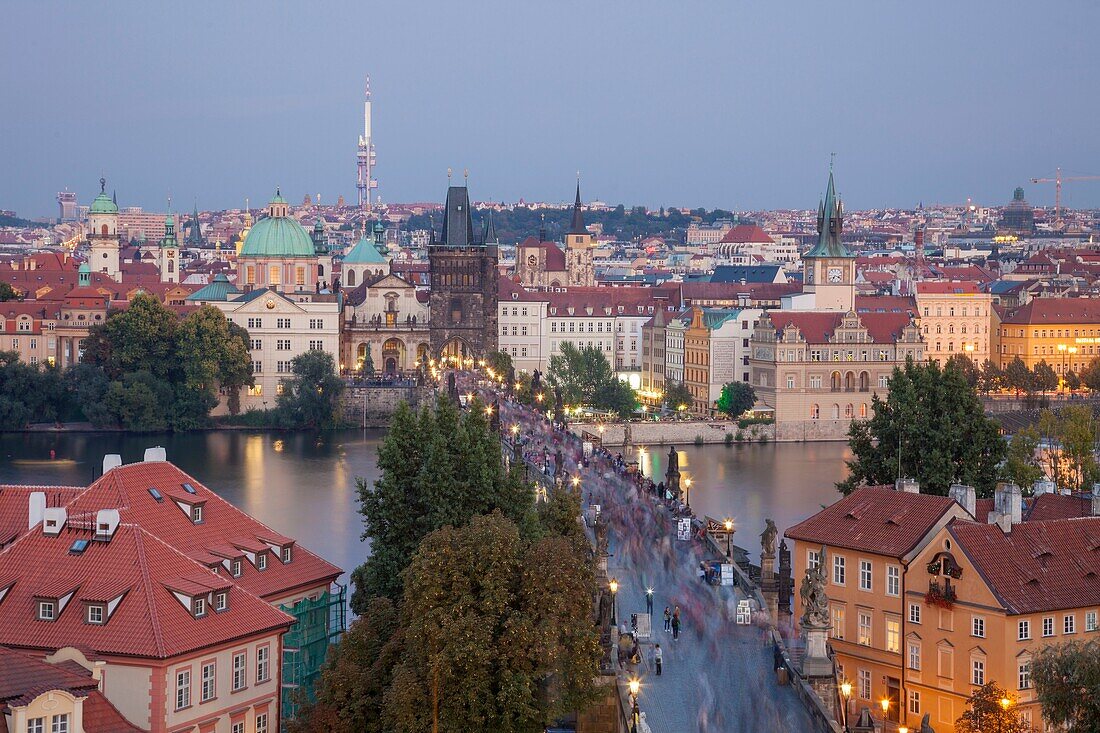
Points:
(720, 103)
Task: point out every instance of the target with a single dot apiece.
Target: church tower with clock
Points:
(829, 268)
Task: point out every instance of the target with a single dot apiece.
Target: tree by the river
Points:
(931, 427)
(1066, 678)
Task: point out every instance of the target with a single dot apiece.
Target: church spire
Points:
(490, 234)
(830, 224)
(577, 225)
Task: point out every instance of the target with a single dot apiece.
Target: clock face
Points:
(834, 274)
(532, 260)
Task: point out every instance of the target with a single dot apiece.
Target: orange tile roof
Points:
(1045, 311)
(874, 519)
(1038, 566)
(937, 287)
(148, 622)
(126, 488)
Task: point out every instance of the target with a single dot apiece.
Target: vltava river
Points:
(303, 485)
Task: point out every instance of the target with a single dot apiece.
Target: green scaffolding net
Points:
(320, 622)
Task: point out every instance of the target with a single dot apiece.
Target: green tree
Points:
(931, 427)
(1066, 677)
(499, 362)
(516, 653)
(1069, 438)
(676, 394)
(616, 396)
(311, 397)
(992, 377)
(987, 713)
(140, 401)
(28, 393)
(350, 692)
(211, 357)
(1021, 466)
(1018, 377)
(88, 384)
(1044, 378)
(1090, 375)
(140, 338)
(969, 370)
(736, 399)
(1073, 381)
(7, 292)
(579, 373)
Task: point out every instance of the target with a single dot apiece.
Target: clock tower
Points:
(829, 268)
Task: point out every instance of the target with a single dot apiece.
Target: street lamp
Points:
(846, 693)
(614, 586)
(903, 729)
(1062, 348)
(576, 481)
(1072, 350)
(634, 685)
(1005, 703)
(687, 492)
(885, 703)
(729, 537)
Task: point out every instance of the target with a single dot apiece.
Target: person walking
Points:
(658, 656)
(676, 623)
(668, 620)
(649, 602)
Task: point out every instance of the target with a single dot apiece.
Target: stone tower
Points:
(578, 248)
(103, 236)
(463, 272)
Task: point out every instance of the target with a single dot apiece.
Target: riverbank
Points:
(687, 432)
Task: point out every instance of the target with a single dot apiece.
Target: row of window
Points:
(239, 680)
(835, 355)
(58, 724)
(516, 330)
(275, 274)
(849, 411)
(314, 323)
(951, 311)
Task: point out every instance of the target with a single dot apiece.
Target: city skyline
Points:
(229, 106)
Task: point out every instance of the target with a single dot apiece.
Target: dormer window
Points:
(94, 614)
(198, 606)
(236, 568)
(47, 610)
(261, 561)
(287, 554)
(196, 514)
(221, 601)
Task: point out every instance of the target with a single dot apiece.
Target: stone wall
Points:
(798, 431)
(677, 433)
(372, 407)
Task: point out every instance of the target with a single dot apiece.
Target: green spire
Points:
(169, 240)
(830, 223)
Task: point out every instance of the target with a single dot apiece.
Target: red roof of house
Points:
(745, 234)
(149, 621)
(1038, 566)
(935, 287)
(968, 272)
(15, 503)
(816, 328)
(874, 519)
(127, 489)
(730, 291)
(1058, 506)
(877, 276)
(1045, 311)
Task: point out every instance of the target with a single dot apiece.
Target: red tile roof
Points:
(149, 621)
(15, 506)
(691, 291)
(1058, 506)
(816, 328)
(127, 489)
(1043, 311)
(874, 519)
(746, 233)
(1038, 566)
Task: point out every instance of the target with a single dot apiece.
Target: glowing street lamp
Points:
(885, 703)
(634, 686)
(1005, 703)
(613, 585)
(729, 537)
(846, 693)
(576, 481)
(687, 492)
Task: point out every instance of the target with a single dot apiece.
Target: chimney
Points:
(965, 496)
(53, 521)
(1096, 500)
(155, 454)
(36, 509)
(111, 460)
(908, 485)
(1044, 486)
(106, 522)
(1007, 507)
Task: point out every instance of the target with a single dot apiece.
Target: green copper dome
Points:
(364, 253)
(103, 205)
(277, 237)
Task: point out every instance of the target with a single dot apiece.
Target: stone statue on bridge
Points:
(815, 602)
(767, 539)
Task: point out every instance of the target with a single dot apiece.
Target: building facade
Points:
(1063, 332)
(955, 319)
(387, 317)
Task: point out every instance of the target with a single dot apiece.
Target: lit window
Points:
(893, 635)
(864, 629)
(838, 622)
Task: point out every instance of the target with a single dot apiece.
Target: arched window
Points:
(864, 381)
(863, 411)
(103, 230)
(815, 412)
(848, 411)
(836, 382)
(350, 278)
(850, 381)
(836, 412)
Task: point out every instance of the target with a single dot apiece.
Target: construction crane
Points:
(1057, 181)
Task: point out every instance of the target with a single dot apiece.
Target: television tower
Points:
(366, 158)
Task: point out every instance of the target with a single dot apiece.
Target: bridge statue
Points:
(767, 539)
(815, 621)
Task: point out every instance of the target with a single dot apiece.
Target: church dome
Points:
(277, 236)
(103, 205)
(364, 253)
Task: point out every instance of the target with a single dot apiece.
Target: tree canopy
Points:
(311, 396)
(987, 712)
(676, 394)
(736, 399)
(584, 376)
(931, 427)
(1066, 677)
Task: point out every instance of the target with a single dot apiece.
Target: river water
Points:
(303, 485)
